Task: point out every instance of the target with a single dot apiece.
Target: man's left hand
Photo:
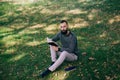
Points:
(55, 48)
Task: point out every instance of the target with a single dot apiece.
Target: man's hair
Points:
(62, 21)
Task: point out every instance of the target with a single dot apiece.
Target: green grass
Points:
(24, 52)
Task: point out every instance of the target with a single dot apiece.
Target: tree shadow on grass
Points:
(26, 61)
(103, 52)
(31, 54)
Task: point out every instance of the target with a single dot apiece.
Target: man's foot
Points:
(45, 73)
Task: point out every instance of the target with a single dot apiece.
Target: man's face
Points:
(63, 27)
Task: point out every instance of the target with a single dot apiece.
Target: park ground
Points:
(24, 53)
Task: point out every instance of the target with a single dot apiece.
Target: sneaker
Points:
(70, 68)
(45, 73)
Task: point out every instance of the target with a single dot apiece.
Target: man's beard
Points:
(64, 32)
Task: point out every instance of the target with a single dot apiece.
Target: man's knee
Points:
(64, 53)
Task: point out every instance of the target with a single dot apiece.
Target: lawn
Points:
(24, 53)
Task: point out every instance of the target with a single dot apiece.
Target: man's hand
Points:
(55, 48)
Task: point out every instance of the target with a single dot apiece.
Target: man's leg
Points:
(64, 55)
(53, 54)
(53, 58)
(71, 57)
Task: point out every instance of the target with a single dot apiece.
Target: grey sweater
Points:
(69, 42)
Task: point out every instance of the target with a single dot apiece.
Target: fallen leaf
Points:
(56, 74)
(115, 42)
(107, 77)
(65, 74)
(36, 67)
(84, 53)
(78, 75)
(91, 58)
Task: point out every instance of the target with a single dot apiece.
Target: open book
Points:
(50, 42)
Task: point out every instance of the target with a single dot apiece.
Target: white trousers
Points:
(62, 56)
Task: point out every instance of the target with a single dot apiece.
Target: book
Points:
(50, 42)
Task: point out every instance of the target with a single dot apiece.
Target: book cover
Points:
(50, 42)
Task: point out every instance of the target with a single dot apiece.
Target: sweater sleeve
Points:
(56, 37)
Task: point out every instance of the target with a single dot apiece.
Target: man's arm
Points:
(56, 37)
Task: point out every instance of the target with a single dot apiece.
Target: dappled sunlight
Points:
(61, 75)
(10, 51)
(28, 31)
(50, 32)
(88, 2)
(43, 41)
(80, 38)
(32, 29)
(5, 19)
(33, 43)
(114, 19)
(51, 12)
(17, 26)
(90, 16)
(51, 28)
(103, 35)
(95, 11)
(82, 1)
(93, 14)
(22, 1)
(20, 9)
(11, 41)
(79, 23)
(64, 18)
(37, 26)
(5, 31)
(17, 57)
(76, 11)
(25, 10)
(99, 21)
(77, 20)
(11, 13)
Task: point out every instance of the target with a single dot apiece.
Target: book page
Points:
(50, 42)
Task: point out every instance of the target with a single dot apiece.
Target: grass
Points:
(24, 52)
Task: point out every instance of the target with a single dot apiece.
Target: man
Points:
(68, 50)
